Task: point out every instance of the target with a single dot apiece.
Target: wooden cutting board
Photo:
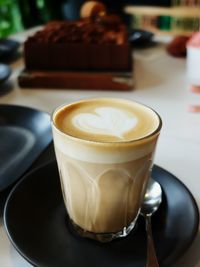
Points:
(122, 81)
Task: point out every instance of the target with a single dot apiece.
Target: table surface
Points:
(160, 82)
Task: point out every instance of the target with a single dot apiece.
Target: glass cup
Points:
(103, 183)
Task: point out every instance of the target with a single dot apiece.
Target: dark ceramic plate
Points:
(140, 38)
(24, 134)
(5, 72)
(37, 225)
(8, 47)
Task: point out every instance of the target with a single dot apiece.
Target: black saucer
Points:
(24, 133)
(37, 225)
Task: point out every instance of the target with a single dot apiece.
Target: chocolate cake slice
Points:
(99, 44)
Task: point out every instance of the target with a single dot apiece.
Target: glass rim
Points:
(75, 138)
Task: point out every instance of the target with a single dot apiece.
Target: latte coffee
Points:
(104, 149)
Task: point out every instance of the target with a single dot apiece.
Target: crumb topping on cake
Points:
(107, 29)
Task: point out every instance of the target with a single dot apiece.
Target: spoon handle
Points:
(151, 253)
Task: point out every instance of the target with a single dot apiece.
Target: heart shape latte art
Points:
(106, 121)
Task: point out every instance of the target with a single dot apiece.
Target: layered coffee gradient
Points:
(104, 149)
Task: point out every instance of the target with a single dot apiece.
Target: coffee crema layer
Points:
(106, 120)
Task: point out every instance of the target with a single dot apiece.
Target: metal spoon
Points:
(151, 202)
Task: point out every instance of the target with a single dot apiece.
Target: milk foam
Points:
(112, 121)
(106, 120)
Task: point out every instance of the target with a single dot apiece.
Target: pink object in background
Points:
(193, 59)
(195, 88)
(195, 109)
(194, 41)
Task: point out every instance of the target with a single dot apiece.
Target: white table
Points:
(160, 82)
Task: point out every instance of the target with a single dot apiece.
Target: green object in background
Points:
(16, 15)
(38, 12)
(10, 19)
(33, 12)
(164, 23)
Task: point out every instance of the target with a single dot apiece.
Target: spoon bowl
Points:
(152, 198)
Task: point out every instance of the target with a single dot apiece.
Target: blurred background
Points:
(17, 15)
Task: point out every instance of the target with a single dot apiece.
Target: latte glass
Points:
(104, 182)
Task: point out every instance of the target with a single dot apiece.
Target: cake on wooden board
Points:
(90, 53)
